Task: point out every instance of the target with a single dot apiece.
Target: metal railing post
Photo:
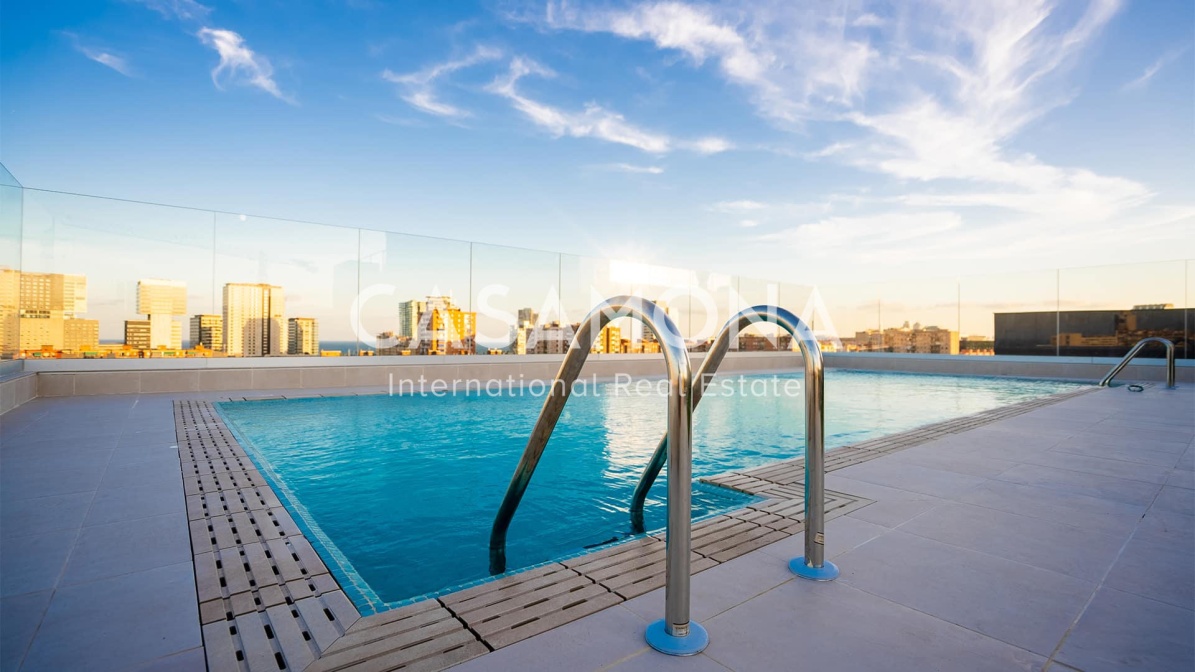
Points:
(675, 634)
(812, 565)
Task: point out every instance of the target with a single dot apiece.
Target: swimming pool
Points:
(398, 493)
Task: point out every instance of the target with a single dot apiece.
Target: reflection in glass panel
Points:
(584, 283)
(920, 317)
(1018, 312)
(587, 281)
(285, 287)
(1105, 310)
(415, 296)
(107, 278)
(516, 296)
(10, 274)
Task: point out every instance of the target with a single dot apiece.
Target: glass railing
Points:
(89, 277)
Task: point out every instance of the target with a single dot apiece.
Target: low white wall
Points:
(56, 378)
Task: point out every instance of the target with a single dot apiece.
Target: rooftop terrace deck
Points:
(1062, 536)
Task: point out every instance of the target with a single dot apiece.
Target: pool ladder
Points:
(676, 634)
(1133, 353)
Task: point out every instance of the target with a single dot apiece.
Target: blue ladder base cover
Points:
(661, 641)
(827, 572)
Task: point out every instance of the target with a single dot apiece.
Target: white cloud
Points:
(788, 55)
(419, 87)
(867, 20)
(1154, 68)
(106, 58)
(748, 223)
(187, 10)
(738, 206)
(710, 145)
(593, 121)
(240, 64)
(868, 237)
(631, 168)
(111, 60)
(932, 95)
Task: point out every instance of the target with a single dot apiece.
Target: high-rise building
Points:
(45, 302)
(608, 342)
(551, 339)
(137, 334)
(160, 301)
(253, 320)
(409, 313)
(918, 339)
(528, 316)
(79, 335)
(208, 331)
(10, 298)
(445, 329)
(302, 336)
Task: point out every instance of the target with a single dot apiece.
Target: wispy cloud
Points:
(118, 63)
(830, 64)
(419, 87)
(593, 121)
(710, 145)
(239, 64)
(928, 94)
(1155, 67)
(738, 206)
(187, 10)
(632, 168)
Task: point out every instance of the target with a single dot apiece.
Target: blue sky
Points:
(818, 142)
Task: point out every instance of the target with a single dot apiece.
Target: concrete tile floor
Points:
(968, 568)
(1063, 538)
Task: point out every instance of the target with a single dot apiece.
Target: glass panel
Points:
(1016, 313)
(10, 275)
(1189, 312)
(399, 274)
(513, 291)
(107, 278)
(920, 317)
(584, 283)
(6, 178)
(285, 287)
(1105, 310)
(713, 297)
(754, 292)
(853, 313)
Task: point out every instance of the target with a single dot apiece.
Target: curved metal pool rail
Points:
(1133, 353)
(674, 630)
(815, 499)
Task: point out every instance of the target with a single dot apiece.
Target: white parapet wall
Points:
(69, 377)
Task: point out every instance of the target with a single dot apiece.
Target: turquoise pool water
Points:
(399, 492)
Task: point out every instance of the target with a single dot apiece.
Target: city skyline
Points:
(49, 313)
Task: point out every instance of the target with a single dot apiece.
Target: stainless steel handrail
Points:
(674, 631)
(815, 500)
(1133, 353)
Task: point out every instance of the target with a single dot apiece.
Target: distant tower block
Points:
(160, 301)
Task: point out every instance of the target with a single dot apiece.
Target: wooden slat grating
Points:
(269, 603)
